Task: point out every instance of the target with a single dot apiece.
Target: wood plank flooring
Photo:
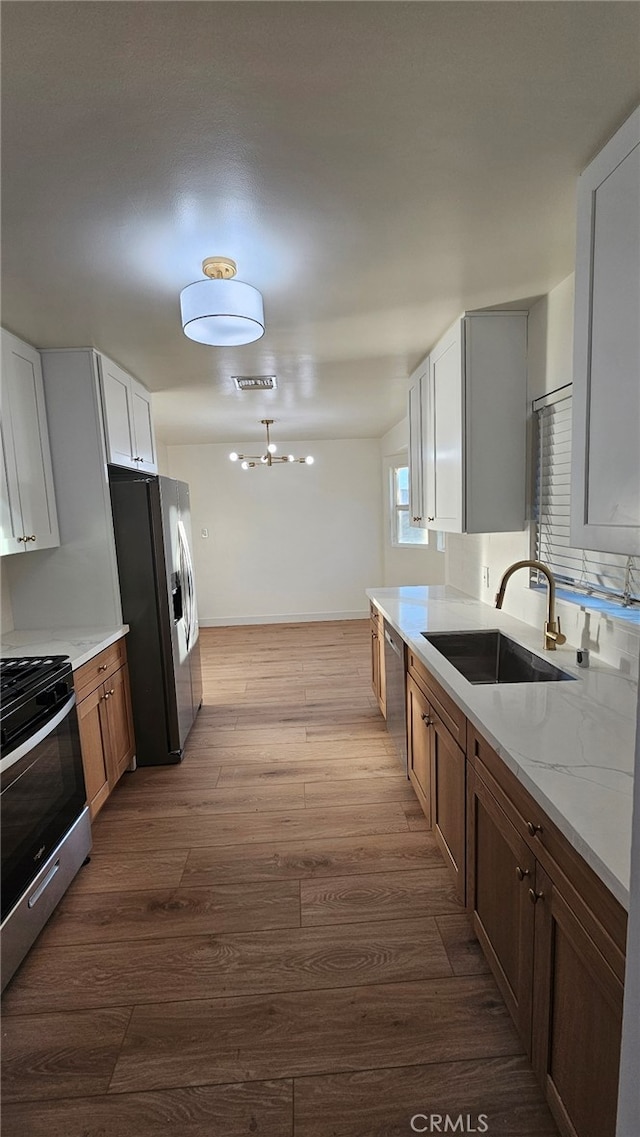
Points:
(266, 942)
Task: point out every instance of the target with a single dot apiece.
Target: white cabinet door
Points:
(470, 393)
(443, 435)
(144, 446)
(605, 489)
(117, 413)
(29, 517)
(127, 419)
(417, 384)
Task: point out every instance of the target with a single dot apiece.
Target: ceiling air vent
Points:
(255, 382)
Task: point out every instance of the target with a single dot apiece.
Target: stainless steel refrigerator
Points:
(152, 527)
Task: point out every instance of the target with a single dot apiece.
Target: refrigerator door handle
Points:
(186, 572)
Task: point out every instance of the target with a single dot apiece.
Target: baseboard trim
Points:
(289, 618)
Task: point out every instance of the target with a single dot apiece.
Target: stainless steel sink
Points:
(492, 657)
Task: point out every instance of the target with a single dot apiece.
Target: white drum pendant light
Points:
(221, 311)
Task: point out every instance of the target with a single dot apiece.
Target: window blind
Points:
(613, 575)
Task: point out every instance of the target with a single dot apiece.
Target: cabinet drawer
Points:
(603, 916)
(450, 713)
(374, 613)
(91, 674)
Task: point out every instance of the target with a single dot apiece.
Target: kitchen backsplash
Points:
(609, 639)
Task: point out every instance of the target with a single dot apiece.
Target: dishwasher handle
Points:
(392, 644)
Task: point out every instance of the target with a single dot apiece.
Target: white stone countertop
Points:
(80, 644)
(570, 744)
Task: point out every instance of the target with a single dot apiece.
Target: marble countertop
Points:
(570, 744)
(80, 644)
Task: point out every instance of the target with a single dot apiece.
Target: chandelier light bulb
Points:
(270, 457)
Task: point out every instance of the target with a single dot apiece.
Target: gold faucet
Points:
(552, 634)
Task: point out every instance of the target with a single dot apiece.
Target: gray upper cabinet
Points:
(28, 508)
(605, 475)
(467, 456)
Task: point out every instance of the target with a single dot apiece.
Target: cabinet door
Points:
(375, 658)
(605, 490)
(500, 873)
(442, 428)
(419, 746)
(416, 488)
(29, 515)
(143, 441)
(448, 799)
(94, 742)
(120, 725)
(117, 413)
(577, 1019)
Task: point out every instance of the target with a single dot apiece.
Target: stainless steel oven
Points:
(45, 831)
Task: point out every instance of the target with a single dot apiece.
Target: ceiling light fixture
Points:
(221, 311)
(248, 461)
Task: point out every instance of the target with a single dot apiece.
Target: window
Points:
(402, 533)
(611, 575)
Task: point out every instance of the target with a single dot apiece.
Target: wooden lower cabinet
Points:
(419, 746)
(545, 937)
(501, 869)
(437, 774)
(105, 724)
(577, 1018)
(377, 659)
(448, 800)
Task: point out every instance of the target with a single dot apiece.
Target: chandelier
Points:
(221, 311)
(269, 458)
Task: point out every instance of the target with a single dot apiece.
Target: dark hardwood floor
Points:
(266, 941)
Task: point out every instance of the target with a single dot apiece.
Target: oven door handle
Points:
(36, 739)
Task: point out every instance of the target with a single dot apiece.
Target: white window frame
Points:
(401, 462)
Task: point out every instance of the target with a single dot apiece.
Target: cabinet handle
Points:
(521, 873)
(110, 692)
(534, 896)
(103, 666)
(374, 635)
(427, 721)
(533, 829)
(31, 538)
(19, 539)
(417, 519)
(430, 518)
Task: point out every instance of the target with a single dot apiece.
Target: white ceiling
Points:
(374, 168)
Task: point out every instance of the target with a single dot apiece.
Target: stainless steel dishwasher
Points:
(395, 679)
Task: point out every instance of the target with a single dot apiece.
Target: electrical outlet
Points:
(204, 532)
(485, 575)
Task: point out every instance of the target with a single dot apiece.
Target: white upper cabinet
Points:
(417, 512)
(28, 508)
(470, 461)
(605, 474)
(127, 419)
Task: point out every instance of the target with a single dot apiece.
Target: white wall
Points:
(421, 564)
(292, 542)
(550, 348)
